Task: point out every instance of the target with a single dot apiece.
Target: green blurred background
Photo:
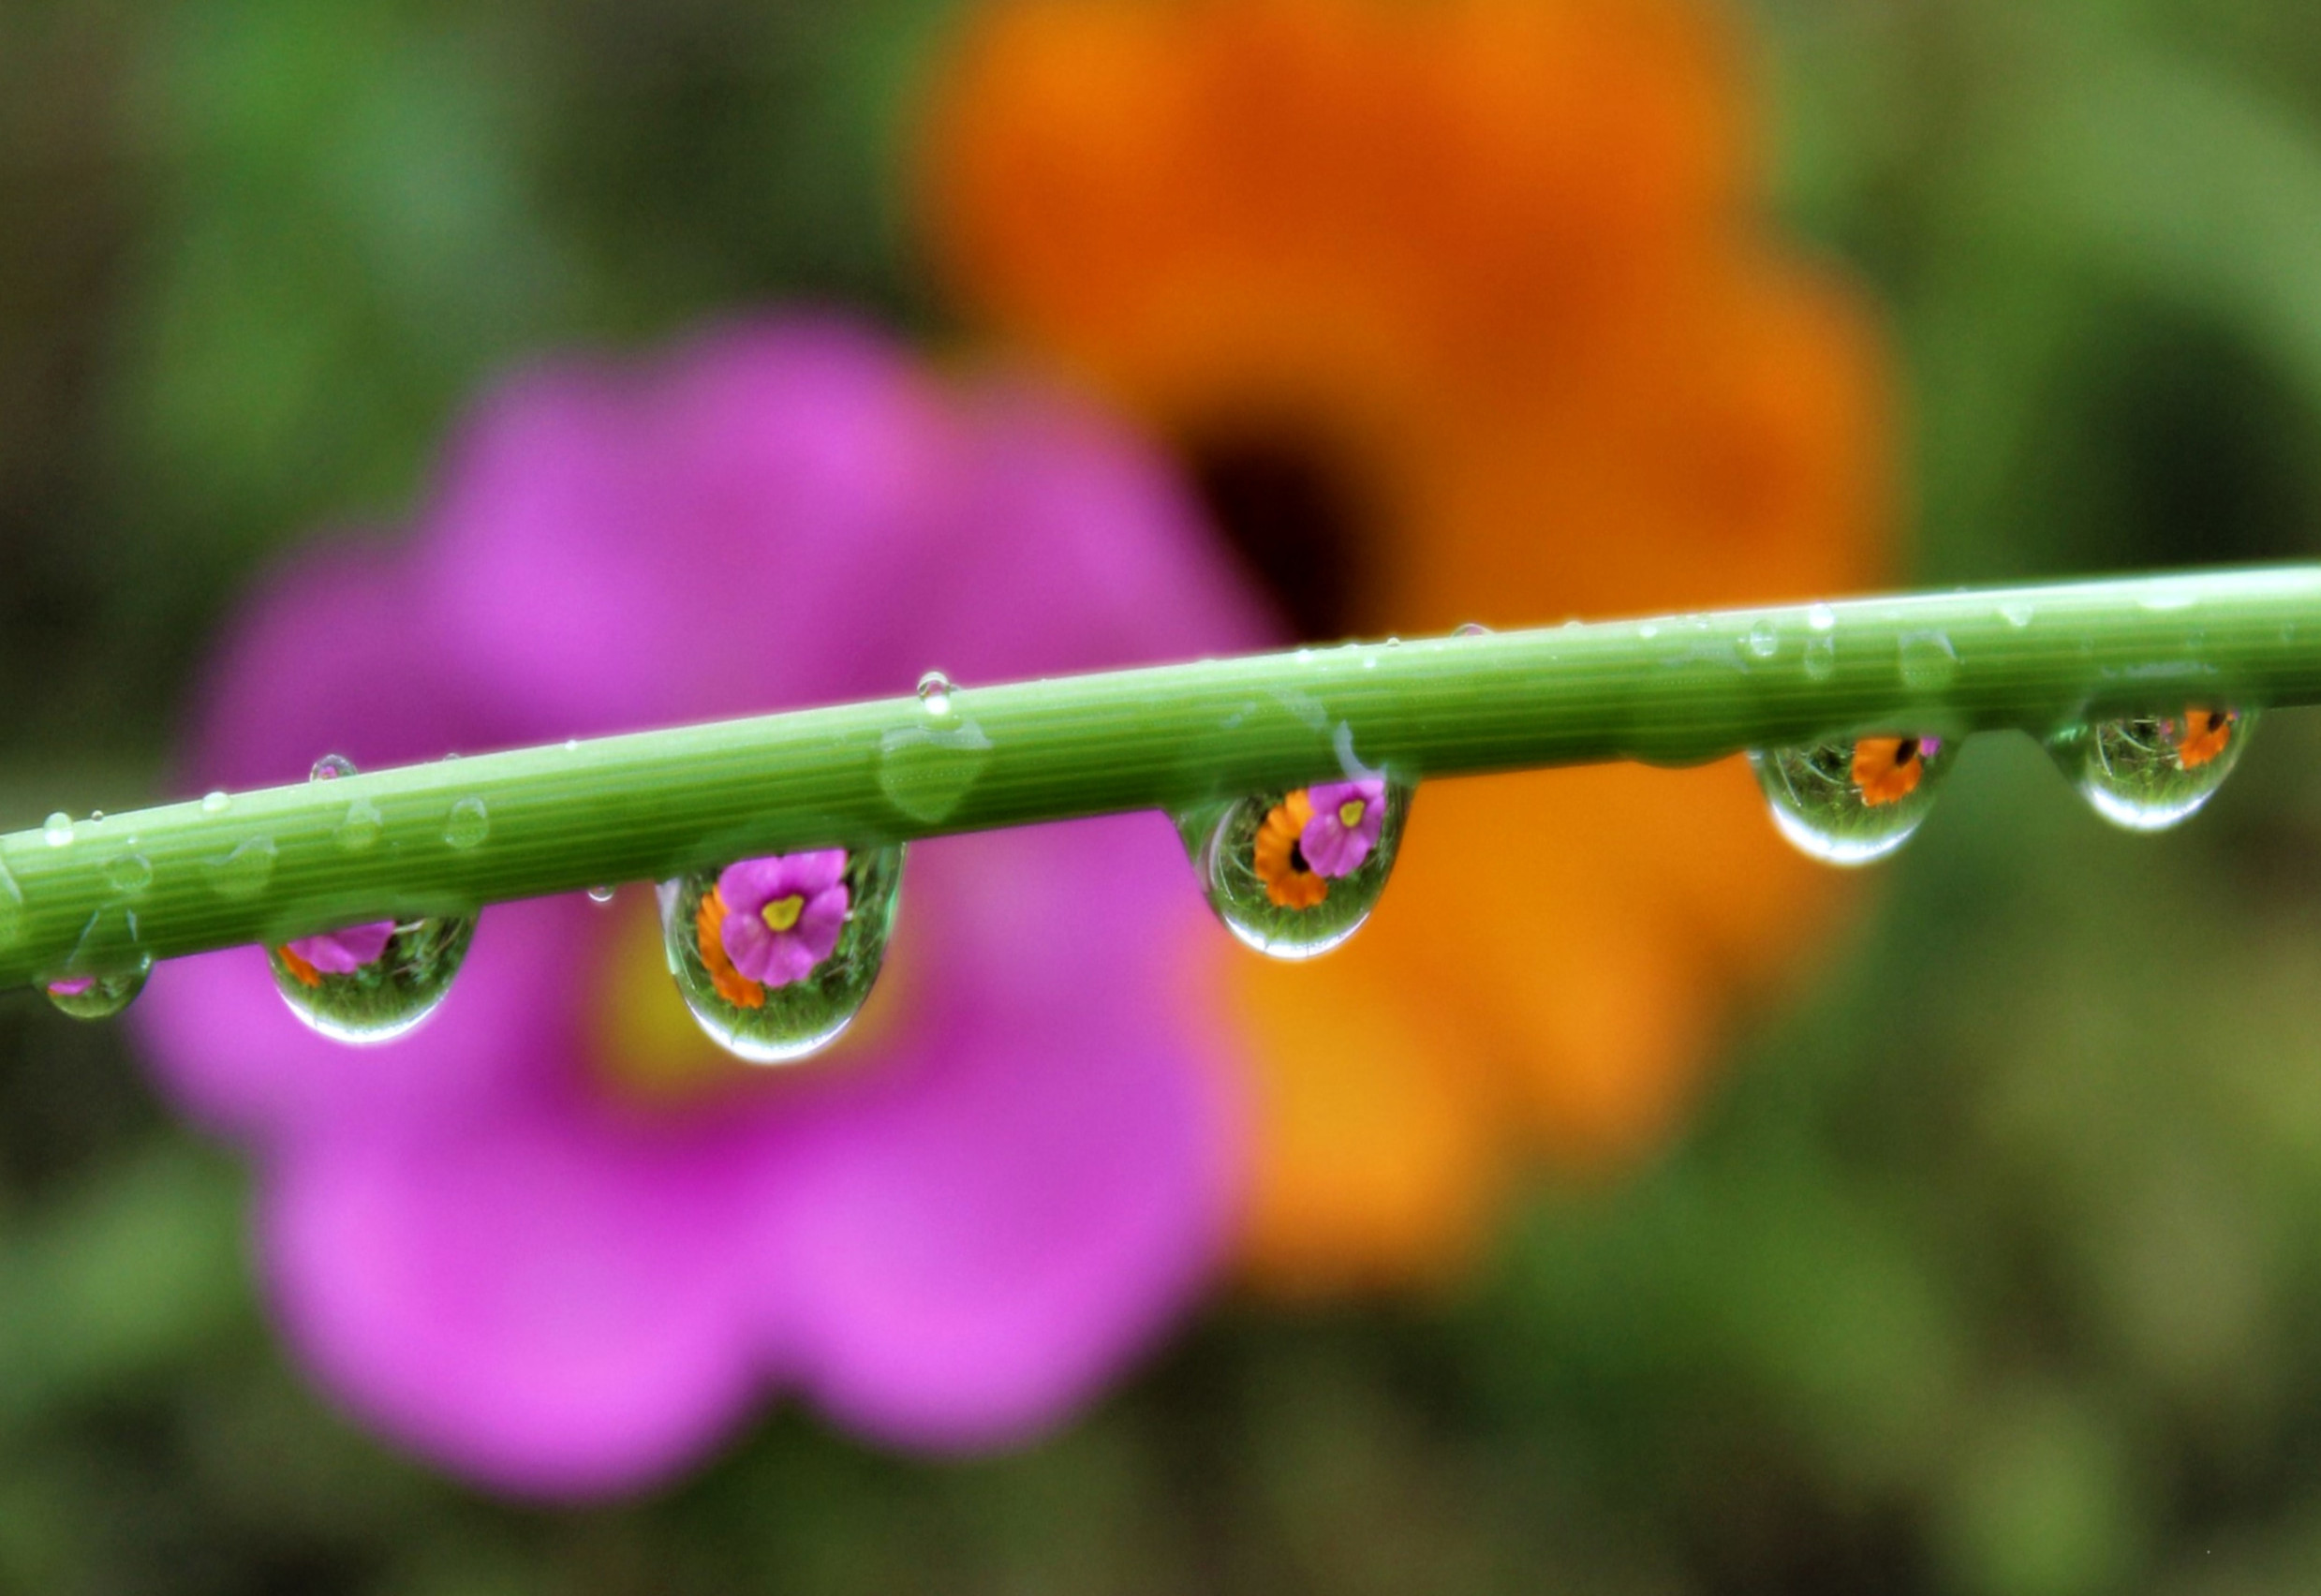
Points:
(1993, 1266)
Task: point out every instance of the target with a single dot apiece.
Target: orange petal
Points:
(2206, 732)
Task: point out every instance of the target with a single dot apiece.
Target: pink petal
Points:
(749, 884)
(984, 1229)
(323, 661)
(548, 1306)
(606, 536)
(347, 950)
(821, 921)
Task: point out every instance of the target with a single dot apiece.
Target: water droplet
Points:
(1821, 657)
(1928, 663)
(1471, 629)
(216, 803)
(572, 744)
(2148, 771)
(1850, 803)
(330, 767)
(57, 831)
(935, 690)
(1393, 643)
(602, 895)
(1294, 872)
(1647, 631)
(467, 824)
(361, 826)
(2168, 600)
(2018, 613)
(11, 907)
(372, 983)
(96, 815)
(245, 872)
(130, 873)
(1764, 640)
(1821, 618)
(98, 996)
(925, 774)
(776, 956)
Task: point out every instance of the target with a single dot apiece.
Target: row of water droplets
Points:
(1854, 800)
(776, 956)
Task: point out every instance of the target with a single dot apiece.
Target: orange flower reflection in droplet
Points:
(1458, 311)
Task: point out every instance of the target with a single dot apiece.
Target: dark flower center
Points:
(1289, 510)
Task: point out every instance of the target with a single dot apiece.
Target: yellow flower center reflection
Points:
(782, 913)
(644, 1050)
(1350, 813)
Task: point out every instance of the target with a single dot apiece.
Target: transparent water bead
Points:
(776, 956)
(1294, 872)
(330, 767)
(2147, 773)
(468, 825)
(375, 981)
(98, 997)
(1848, 802)
(935, 690)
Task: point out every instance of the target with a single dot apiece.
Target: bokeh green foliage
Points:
(1993, 1265)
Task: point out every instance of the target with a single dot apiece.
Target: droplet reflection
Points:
(1848, 802)
(2148, 772)
(1294, 872)
(775, 957)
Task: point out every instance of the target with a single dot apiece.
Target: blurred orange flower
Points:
(1457, 312)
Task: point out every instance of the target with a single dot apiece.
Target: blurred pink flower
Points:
(511, 1241)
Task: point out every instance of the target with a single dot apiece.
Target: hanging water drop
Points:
(1294, 872)
(1471, 629)
(375, 981)
(935, 690)
(467, 824)
(2147, 773)
(98, 996)
(1851, 803)
(601, 894)
(1764, 640)
(776, 956)
(57, 831)
(330, 767)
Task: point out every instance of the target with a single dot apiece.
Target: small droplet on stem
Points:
(935, 690)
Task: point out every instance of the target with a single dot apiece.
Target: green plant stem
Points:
(1674, 691)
